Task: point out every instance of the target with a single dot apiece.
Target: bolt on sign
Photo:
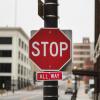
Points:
(50, 49)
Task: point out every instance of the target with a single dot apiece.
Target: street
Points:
(37, 94)
(25, 95)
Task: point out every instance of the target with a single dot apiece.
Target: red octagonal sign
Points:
(49, 48)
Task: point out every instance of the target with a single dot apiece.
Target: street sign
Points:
(49, 76)
(50, 49)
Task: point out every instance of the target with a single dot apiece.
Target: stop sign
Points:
(49, 48)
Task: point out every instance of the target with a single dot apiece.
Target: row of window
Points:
(5, 40)
(5, 67)
(23, 45)
(8, 40)
(5, 53)
(22, 57)
(23, 70)
(81, 47)
(79, 65)
(80, 59)
(82, 53)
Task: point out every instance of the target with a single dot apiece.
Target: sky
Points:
(76, 15)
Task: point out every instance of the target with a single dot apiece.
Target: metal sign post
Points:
(50, 89)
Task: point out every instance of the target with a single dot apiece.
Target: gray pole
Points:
(50, 89)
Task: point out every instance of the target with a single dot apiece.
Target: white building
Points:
(82, 51)
(15, 70)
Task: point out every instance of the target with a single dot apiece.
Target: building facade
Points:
(82, 52)
(15, 70)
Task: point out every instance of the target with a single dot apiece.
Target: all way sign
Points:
(46, 76)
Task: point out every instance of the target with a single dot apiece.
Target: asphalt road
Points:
(36, 94)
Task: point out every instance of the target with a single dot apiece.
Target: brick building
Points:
(81, 52)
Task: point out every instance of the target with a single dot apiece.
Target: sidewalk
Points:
(81, 94)
(38, 85)
(10, 93)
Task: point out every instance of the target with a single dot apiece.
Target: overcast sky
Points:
(77, 15)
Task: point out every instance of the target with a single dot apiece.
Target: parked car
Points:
(69, 91)
(91, 93)
(91, 88)
(86, 88)
(69, 86)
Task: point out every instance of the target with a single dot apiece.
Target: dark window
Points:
(19, 55)
(5, 40)
(22, 57)
(81, 47)
(21, 70)
(6, 80)
(27, 60)
(19, 42)
(22, 44)
(25, 71)
(25, 47)
(5, 53)
(5, 67)
(81, 53)
(18, 68)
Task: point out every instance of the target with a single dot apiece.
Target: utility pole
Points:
(96, 45)
(50, 88)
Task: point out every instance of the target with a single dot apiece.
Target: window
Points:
(27, 60)
(5, 40)
(5, 80)
(5, 67)
(24, 71)
(25, 47)
(82, 47)
(22, 44)
(22, 57)
(21, 70)
(5, 53)
(19, 55)
(19, 42)
(18, 68)
(81, 53)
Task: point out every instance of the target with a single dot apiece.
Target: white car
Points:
(91, 93)
(91, 88)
